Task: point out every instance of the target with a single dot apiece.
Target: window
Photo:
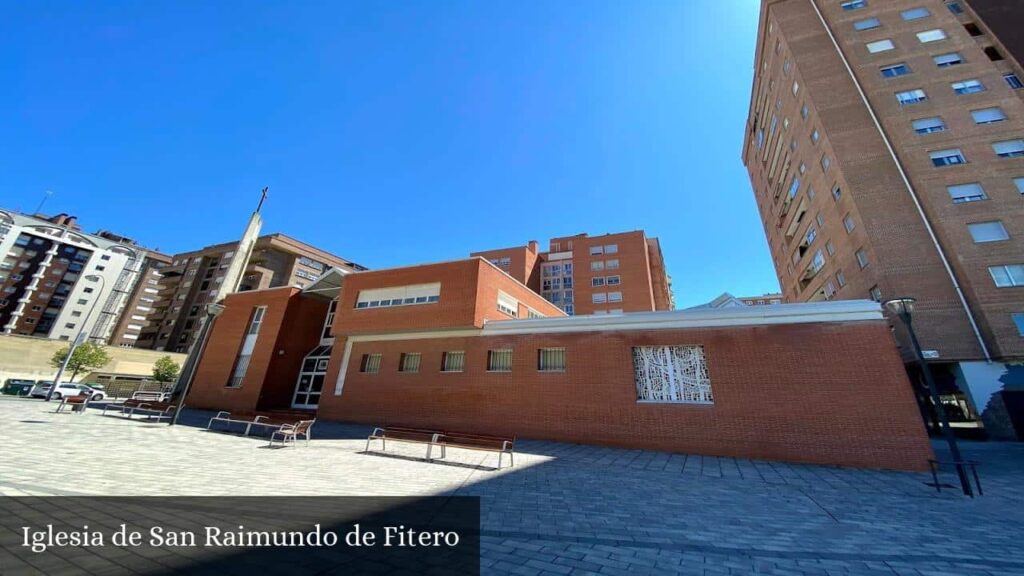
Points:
(972, 29)
(840, 278)
(409, 362)
(1018, 320)
(597, 281)
(820, 219)
(849, 223)
(794, 187)
(671, 374)
(1019, 183)
(875, 293)
(499, 360)
(955, 7)
(105, 257)
(611, 264)
(968, 87)
(815, 136)
(830, 248)
(453, 361)
(867, 24)
(612, 280)
(615, 296)
(551, 360)
(908, 97)
(862, 258)
(1007, 276)
(804, 112)
(611, 249)
(880, 46)
(837, 192)
(915, 14)
(508, 305)
(966, 193)
(596, 266)
(786, 66)
(895, 70)
(399, 296)
(1013, 81)
(928, 125)
(988, 115)
(1009, 148)
(257, 321)
(993, 54)
(248, 344)
(947, 60)
(596, 250)
(854, 4)
(370, 364)
(803, 167)
(598, 298)
(988, 231)
(931, 36)
(947, 157)
(825, 163)
(796, 87)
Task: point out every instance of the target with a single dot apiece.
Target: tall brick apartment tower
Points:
(885, 145)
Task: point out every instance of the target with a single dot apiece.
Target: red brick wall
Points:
(491, 281)
(634, 272)
(802, 393)
(304, 320)
(209, 388)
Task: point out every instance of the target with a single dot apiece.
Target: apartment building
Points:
(141, 311)
(885, 146)
(727, 300)
(582, 274)
(190, 280)
(464, 346)
(55, 278)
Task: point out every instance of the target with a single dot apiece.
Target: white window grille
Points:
(453, 361)
(551, 360)
(671, 374)
(409, 362)
(370, 363)
(499, 360)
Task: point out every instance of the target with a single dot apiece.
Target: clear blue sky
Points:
(392, 132)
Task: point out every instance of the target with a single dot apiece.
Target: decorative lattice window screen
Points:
(671, 374)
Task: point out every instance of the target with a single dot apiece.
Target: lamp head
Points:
(901, 306)
(214, 309)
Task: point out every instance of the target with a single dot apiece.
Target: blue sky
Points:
(392, 132)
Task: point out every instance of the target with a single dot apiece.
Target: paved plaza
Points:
(563, 509)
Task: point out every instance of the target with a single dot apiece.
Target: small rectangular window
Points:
(499, 360)
(929, 125)
(931, 36)
(908, 97)
(615, 296)
(612, 280)
(596, 266)
(972, 29)
(370, 364)
(866, 24)
(840, 278)
(915, 14)
(955, 7)
(949, 157)
(993, 53)
(551, 360)
(875, 293)
(453, 361)
(1008, 275)
(862, 258)
(988, 231)
(1018, 321)
(849, 223)
(895, 70)
(611, 249)
(611, 264)
(597, 281)
(837, 193)
(1013, 81)
(598, 298)
(596, 250)
(946, 60)
(1019, 183)
(968, 87)
(962, 193)
(880, 46)
(854, 4)
(988, 115)
(1009, 148)
(409, 362)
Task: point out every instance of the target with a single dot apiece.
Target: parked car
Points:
(41, 389)
(17, 387)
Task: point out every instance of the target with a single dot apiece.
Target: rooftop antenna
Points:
(46, 196)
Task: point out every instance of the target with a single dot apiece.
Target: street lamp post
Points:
(904, 307)
(192, 363)
(80, 337)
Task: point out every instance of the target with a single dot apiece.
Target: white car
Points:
(65, 389)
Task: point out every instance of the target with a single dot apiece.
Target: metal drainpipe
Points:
(906, 182)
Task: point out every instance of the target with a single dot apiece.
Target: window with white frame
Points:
(988, 115)
(962, 193)
(612, 280)
(946, 60)
(508, 305)
(866, 24)
(915, 14)
(551, 360)
(853, 4)
(409, 362)
(596, 250)
(597, 281)
(671, 374)
(598, 298)
(849, 223)
(399, 296)
(1008, 275)
(908, 97)
(967, 87)
(499, 360)
(370, 363)
(992, 231)
(615, 296)
(1009, 148)
(453, 361)
(880, 46)
(928, 125)
(862, 258)
(596, 266)
(948, 157)
(895, 70)
(931, 36)
(252, 333)
(611, 249)
(611, 264)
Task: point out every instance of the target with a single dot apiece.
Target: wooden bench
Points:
(292, 432)
(402, 434)
(247, 418)
(151, 396)
(500, 444)
(75, 403)
(150, 410)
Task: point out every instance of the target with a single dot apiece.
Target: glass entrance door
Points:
(311, 378)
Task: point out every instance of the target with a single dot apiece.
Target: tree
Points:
(88, 356)
(165, 370)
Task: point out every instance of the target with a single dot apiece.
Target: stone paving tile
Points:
(564, 508)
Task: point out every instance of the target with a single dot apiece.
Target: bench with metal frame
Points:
(501, 445)
(157, 410)
(402, 434)
(936, 465)
(75, 403)
(247, 418)
(291, 432)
